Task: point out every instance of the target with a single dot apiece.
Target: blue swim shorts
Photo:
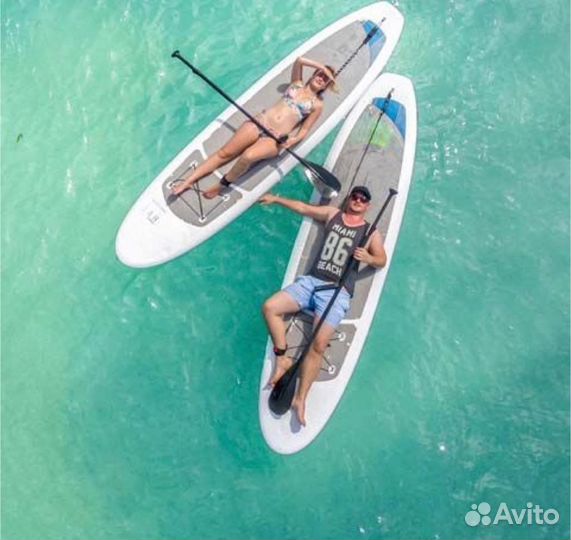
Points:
(303, 292)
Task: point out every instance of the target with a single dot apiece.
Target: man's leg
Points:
(312, 363)
(310, 369)
(274, 309)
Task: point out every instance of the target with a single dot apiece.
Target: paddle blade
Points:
(283, 392)
(325, 182)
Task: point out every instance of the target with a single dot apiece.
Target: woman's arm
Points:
(298, 65)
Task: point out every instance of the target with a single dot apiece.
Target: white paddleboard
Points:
(388, 163)
(159, 228)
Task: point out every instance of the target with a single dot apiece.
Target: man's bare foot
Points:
(283, 363)
(298, 405)
(212, 192)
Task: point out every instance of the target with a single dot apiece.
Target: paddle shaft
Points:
(292, 372)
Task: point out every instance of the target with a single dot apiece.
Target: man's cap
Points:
(363, 190)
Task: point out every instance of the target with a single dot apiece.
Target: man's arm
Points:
(319, 213)
(374, 253)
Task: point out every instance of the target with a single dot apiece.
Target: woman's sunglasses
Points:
(321, 74)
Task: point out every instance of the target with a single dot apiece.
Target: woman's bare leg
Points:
(246, 135)
(263, 148)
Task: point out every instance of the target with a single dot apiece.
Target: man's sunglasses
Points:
(357, 197)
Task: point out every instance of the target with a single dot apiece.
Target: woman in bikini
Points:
(299, 107)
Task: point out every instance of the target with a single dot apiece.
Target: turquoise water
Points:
(129, 398)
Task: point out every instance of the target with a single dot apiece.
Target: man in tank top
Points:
(344, 230)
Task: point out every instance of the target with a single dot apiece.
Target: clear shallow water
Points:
(129, 398)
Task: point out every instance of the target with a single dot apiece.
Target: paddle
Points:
(284, 390)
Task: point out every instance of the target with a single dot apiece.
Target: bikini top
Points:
(303, 108)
